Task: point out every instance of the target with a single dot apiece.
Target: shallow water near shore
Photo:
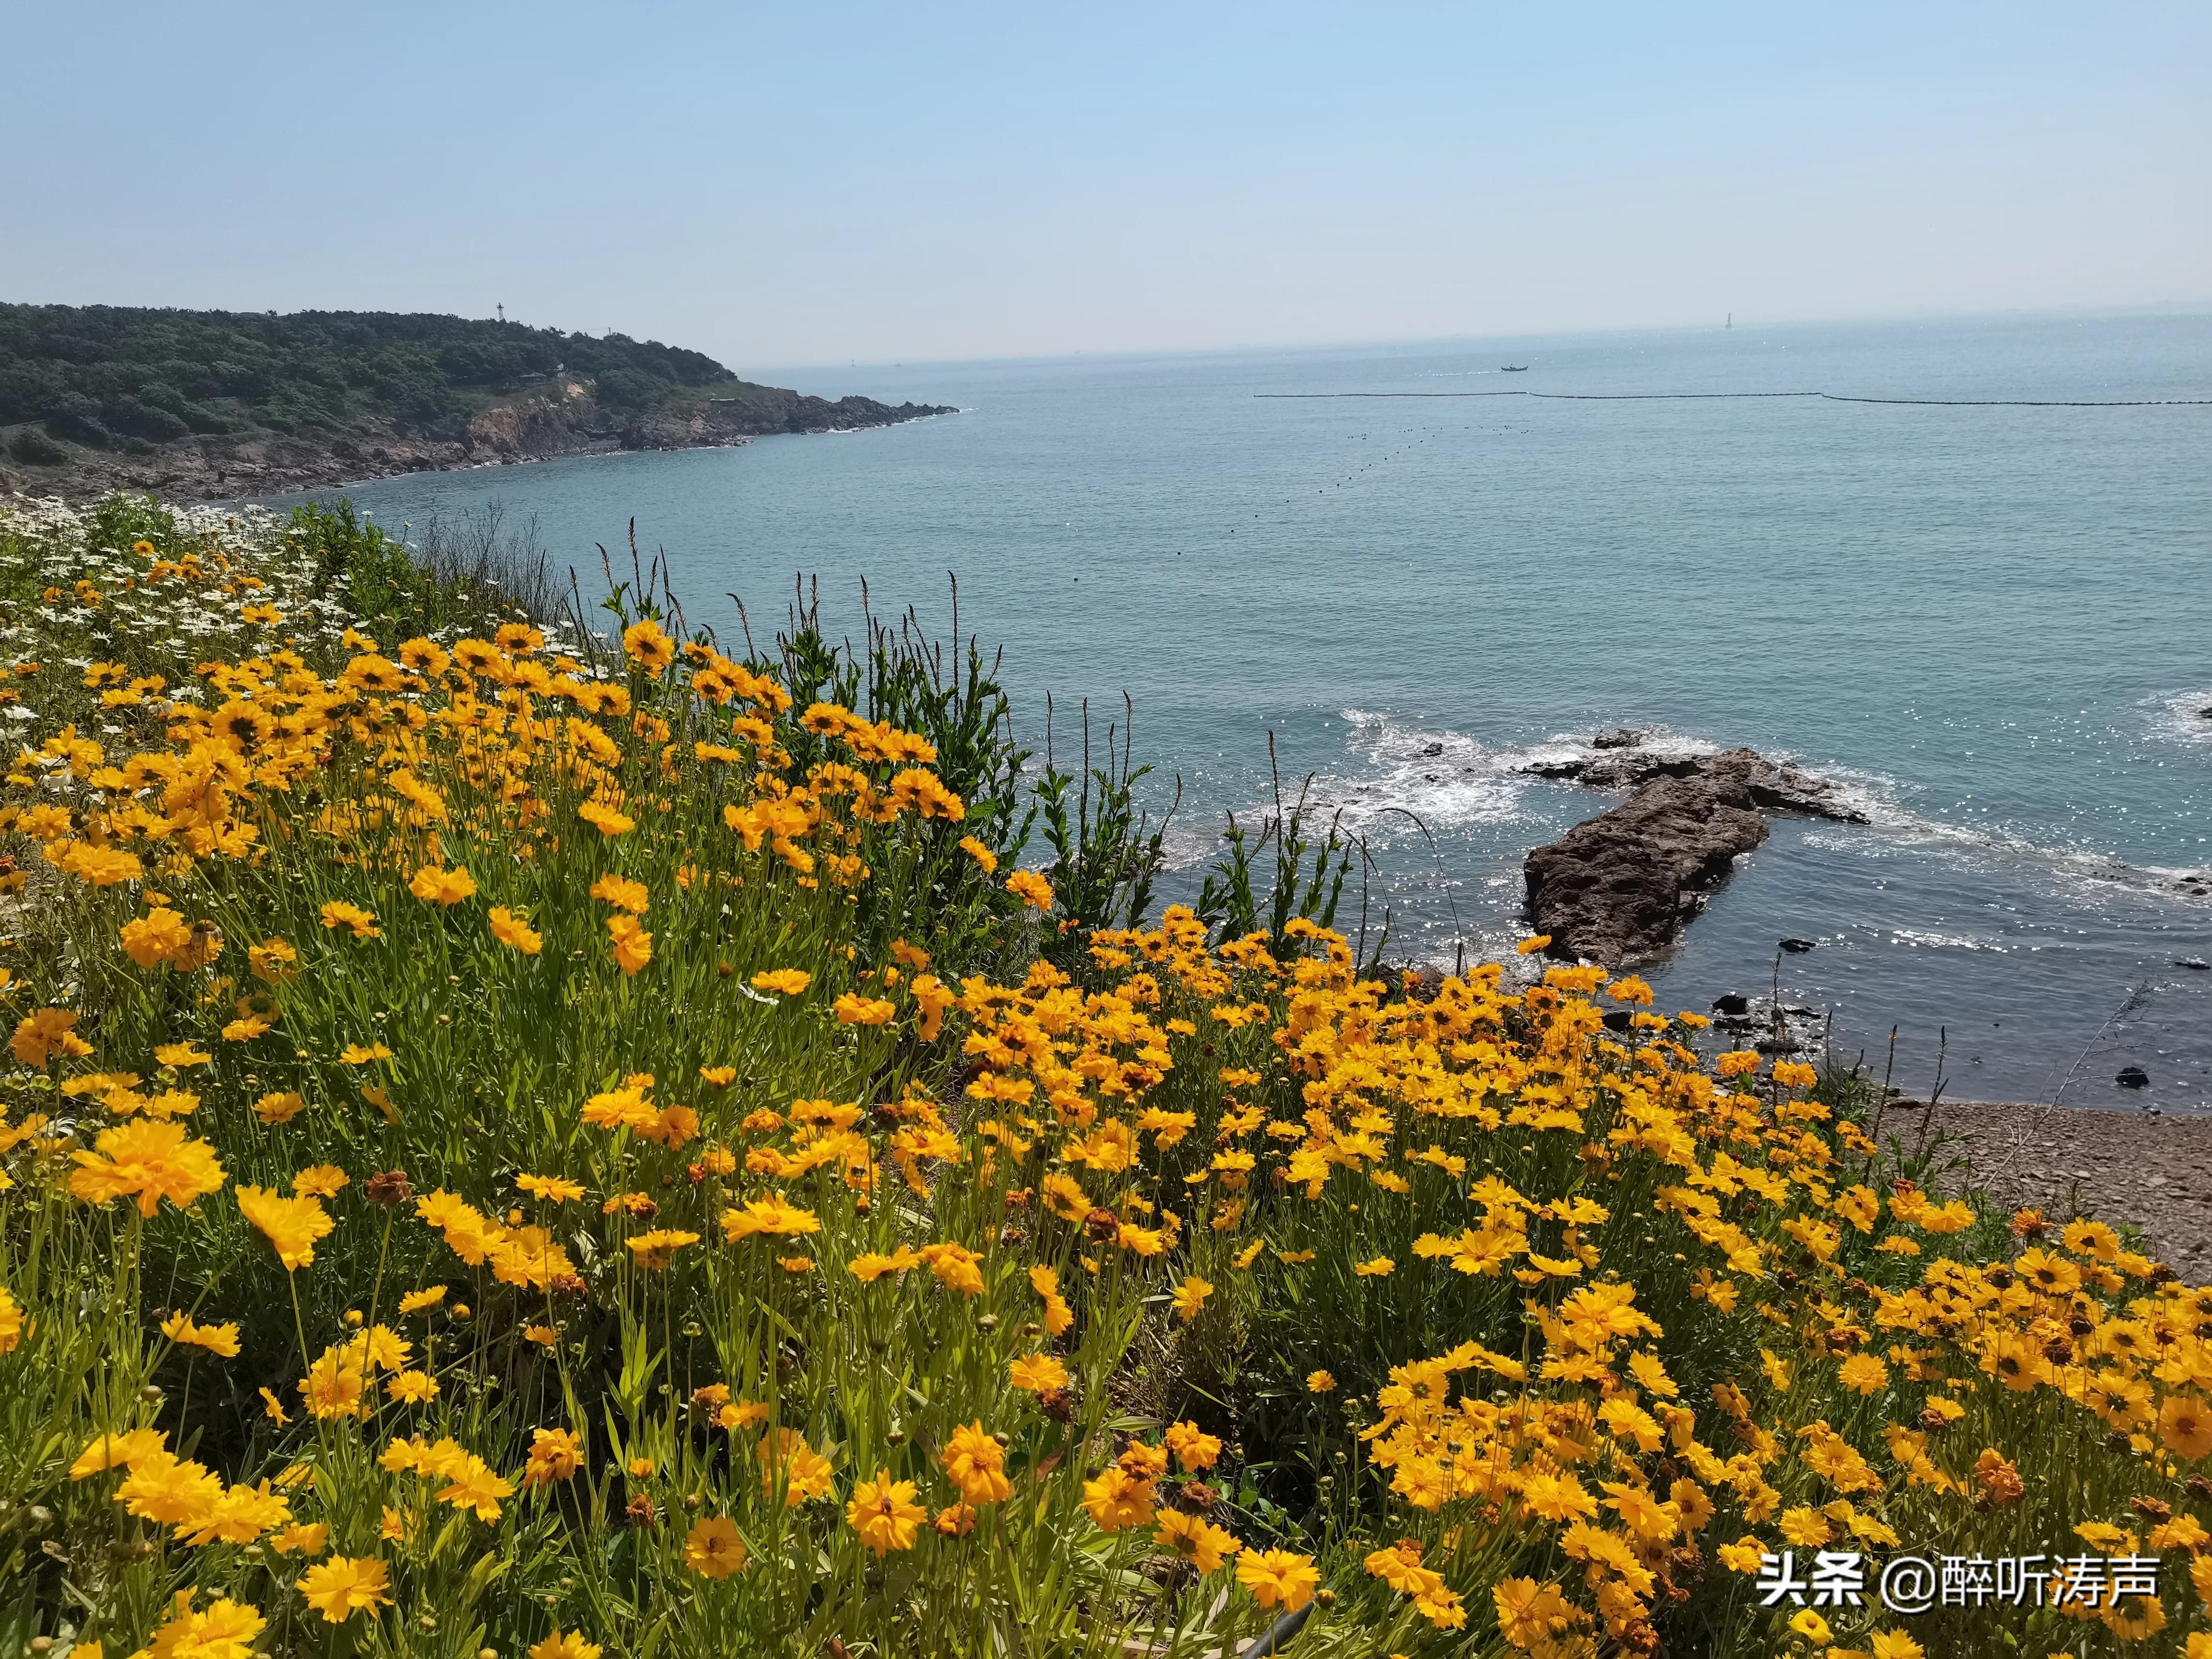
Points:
(1994, 623)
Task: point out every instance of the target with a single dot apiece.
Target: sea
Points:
(1980, 598)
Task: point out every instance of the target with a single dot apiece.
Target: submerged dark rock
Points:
(1620, 889)
(2133, 1077)
(1732, 1004)
(1797, 947)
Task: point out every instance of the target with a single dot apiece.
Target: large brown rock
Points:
(1620, 889)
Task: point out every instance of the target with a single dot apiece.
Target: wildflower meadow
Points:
(524, 1139)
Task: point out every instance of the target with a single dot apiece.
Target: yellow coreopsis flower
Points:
(343, 1586)
(1277, 1577)
(712, 1549)
(219, 1340)
(361, 923)
(1032, 888)
(292, 1225)
(769, 1215)
(976, 1462)
(444, 887)
(619, 891)
(225, 1631)
(510, 929)
(1205, 1545)
(647, 647)
(633, 945)
(1116, 1499)
(554, 1455)
(149, 1161)
(884, 1512)
(1037, 1373)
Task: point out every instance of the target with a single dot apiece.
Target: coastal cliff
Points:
(204, 405)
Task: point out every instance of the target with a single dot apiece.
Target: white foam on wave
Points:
(1401, 770)
(1445, 778)
(2183, 717)
(1396, 772)
(1970, 845)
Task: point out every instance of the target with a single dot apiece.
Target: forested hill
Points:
(183, 399)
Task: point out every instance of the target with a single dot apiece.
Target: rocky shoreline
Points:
(2145, 1168)
(563, 421)
(1621, 888)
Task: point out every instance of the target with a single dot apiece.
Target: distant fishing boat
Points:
(1513, 368)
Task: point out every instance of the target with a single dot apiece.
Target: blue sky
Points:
(809, 185)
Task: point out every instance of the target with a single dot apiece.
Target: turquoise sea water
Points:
(1994, 623)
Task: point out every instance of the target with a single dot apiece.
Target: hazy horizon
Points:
(1471, 337)
(865, 185)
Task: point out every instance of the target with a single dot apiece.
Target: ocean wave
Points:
(2068, 868)
(1398, 770)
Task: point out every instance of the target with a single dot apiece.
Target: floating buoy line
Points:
(1831, 396)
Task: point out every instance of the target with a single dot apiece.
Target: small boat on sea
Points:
(1513, 368)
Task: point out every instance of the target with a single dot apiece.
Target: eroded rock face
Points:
(1620, 889)
(566, 420)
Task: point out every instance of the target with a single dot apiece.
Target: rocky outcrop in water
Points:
(1767, 784)
(1620, 889)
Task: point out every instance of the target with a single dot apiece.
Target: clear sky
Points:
(807, 183)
